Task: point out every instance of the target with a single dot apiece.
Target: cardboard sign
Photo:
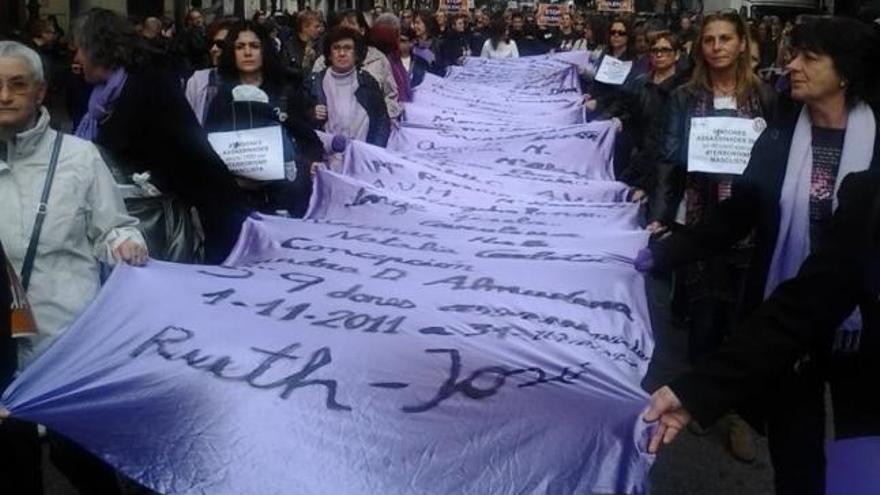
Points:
(615, 6)
(550, 14)
(256, 154)
(454, 6)
(613, 71)
(722, 145)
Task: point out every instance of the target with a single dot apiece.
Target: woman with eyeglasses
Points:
(201, 87)
(250, 65)
(787, 196)
(648, 95)
(347, 101)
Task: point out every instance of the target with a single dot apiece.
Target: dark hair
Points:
(429, 22)
(37, 27)
(272, 70)
(599, 28)
(853, 48)
(408, 33)
(497, 31)
(339, 33)
(352, 14)
(188, 19)
(109, 40)
(630, 51)
(219, 25)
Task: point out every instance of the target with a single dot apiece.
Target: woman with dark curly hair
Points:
(249, 60)
(138, 115)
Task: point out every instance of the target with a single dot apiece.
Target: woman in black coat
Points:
(140, 119)
(244, 65)
(800, 317)
(646, 99)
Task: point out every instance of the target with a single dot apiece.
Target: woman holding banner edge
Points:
(722, 85)
(787, 195)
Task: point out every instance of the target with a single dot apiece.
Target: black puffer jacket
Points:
(643, 120)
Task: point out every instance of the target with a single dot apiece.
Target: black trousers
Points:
(21, 471)
(796, 435)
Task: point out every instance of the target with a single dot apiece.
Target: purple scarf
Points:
(422, 49)
(100, 102)
(401, 77)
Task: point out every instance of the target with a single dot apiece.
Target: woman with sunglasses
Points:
(201, 87)
(608, 98)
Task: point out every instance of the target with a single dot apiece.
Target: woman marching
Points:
(723, 85)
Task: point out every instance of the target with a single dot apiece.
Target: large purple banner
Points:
(459, 319)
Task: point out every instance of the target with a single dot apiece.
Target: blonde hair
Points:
(746, 80)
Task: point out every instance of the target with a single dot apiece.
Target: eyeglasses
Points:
(615, 32)
(219, 44)
(341, 48)
(16, 86)
(661, 51)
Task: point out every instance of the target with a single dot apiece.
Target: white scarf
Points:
(793, 241)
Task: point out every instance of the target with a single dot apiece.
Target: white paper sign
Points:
(613, 71)
(256, 154)
(722, 145)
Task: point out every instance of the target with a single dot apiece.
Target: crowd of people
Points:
(792, 241)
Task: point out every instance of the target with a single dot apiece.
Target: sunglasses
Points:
(615, 32)
(218, 43)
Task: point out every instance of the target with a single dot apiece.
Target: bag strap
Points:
(31, 254)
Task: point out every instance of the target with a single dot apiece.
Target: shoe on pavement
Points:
(742, 440)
